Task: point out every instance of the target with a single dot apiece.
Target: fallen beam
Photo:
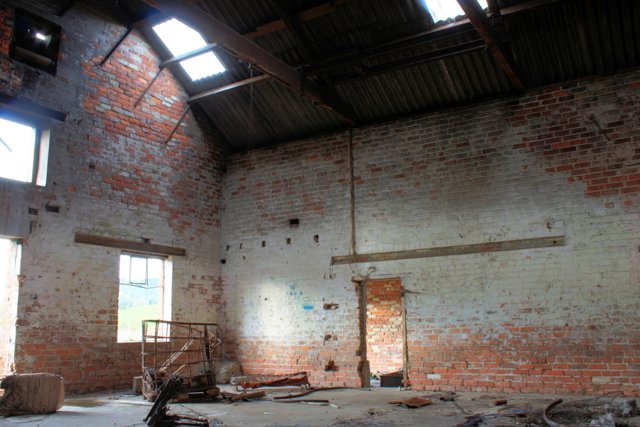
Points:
(506, 245)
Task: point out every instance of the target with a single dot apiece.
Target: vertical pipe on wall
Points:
(352, 201)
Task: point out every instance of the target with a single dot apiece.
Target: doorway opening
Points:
(385, 336)
(10, 255)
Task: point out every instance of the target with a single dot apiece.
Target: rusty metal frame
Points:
(179, 348)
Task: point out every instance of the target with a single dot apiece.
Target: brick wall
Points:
(110, 173)
(384, 325)
(561, 160)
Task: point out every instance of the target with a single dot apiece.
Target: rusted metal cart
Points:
(186, 349)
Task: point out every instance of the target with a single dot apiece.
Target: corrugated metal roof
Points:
(556, 41)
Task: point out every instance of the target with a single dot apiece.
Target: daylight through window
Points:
(443, 10)
(145, 294)
(180, 39)
(23, 151)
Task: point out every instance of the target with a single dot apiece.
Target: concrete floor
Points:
(346, 408)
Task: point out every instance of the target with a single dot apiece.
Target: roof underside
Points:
(386, 58)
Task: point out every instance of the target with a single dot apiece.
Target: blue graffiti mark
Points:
(307, 307)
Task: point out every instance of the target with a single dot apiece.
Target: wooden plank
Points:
(130, 245)
(31, 108)
(506, 245)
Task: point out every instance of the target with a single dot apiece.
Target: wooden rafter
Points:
(498, 50)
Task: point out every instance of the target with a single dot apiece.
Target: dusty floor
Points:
(345, 408)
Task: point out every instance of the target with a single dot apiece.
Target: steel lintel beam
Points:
(500, 53)
(246, 50)
(506, 245)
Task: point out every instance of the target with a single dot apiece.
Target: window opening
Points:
(24, 149)
(35, 41)
(179, 38)
(144, 293)
(444, 10)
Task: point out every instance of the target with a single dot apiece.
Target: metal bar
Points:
(131, 245)
(500, 53)
(175, 128)
(305, 15)
(435, 55)
(246, 50)
(352, 196)
(144, 92)
(506, 245)
(188, 55)
(6, 145)
(228, 87)
(115, 47)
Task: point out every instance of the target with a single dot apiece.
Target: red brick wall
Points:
(110, 173)
(560, 160)
(384, 325)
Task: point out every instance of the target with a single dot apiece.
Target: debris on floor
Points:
(297, 378)
(603, 411)
(31, 394)
(413, 402)
(246, 396)
(159, 416)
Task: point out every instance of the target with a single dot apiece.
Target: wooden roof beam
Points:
(498, 50)
(241, 47)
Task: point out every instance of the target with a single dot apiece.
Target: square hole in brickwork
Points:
(294, 222)
(35, 41)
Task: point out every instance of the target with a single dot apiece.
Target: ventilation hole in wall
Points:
(331, 366)
(33, 211)
(288, 240)
(294, 222)
(264, 243)
(331, 306)
(92, 165)
(52, 208)
(316, 238)
(223, 261)
(228, 247)
(240, 245)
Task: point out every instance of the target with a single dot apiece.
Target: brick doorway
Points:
(384, 326)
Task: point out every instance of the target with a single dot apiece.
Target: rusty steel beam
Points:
(188, 55)
(246, 50)
(131, 245)
(506, 245)
(500, 53)
(305, 15)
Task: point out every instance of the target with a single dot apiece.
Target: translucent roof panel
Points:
(443, 10)
(179, 38)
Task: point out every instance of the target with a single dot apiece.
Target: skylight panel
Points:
(443, 10)
(179, 38)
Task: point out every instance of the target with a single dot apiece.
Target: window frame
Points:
(40, 148)
(166, 286)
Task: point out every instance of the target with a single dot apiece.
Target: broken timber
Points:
(506, 245)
